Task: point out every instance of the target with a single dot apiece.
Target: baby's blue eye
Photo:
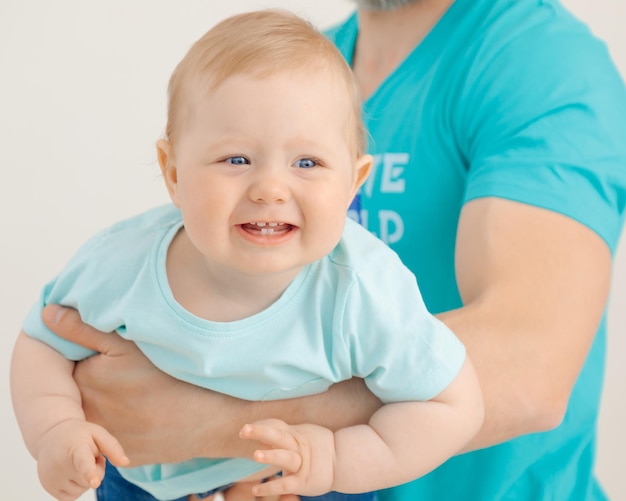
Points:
(306, 163)
(237, 160)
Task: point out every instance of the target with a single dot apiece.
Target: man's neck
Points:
(386, 38)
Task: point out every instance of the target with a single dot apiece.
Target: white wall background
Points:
(82, 101)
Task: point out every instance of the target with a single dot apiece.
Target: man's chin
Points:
(382, 4)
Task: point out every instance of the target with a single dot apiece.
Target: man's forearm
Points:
(344, 404)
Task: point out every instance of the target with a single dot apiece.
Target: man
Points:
(500, 143)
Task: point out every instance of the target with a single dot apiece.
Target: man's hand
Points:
(151, 413)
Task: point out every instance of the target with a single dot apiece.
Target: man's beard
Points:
(382, 4)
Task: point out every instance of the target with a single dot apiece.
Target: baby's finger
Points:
(109, 446)
(101, 464)
(289, 461)
(85, 464)
(277, 486)
(269, 435)
(241, 491)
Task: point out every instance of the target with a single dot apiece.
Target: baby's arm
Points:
(402, 442)
(47, 405)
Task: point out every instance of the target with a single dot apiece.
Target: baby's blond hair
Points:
(261, 44)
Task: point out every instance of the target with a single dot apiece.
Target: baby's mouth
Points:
(266, 228)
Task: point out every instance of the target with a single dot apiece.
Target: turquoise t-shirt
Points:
(356, 312)
(512, 99)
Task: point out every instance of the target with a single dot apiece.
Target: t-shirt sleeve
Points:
(536, 137)
(64, 289)
(401, 351)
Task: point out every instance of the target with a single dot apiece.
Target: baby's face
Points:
(265, 170)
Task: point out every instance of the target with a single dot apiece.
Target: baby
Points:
(254, 283)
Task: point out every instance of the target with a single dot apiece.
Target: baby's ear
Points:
(168, 168)
(362, 169)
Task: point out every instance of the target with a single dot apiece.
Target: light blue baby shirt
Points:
(356, 312)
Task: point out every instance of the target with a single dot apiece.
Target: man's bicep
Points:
(536, 256)
(534, 284)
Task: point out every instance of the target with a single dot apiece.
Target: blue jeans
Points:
(114, 487)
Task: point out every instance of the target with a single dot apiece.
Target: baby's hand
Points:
(304, 453)
(70, 458)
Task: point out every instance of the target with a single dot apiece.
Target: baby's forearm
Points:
(404, 441)
(42, 389)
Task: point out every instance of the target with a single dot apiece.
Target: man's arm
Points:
(157, 418)
(534, 285)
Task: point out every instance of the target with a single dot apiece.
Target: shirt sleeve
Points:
(401, 351)
(65, 289)
(536, 137)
